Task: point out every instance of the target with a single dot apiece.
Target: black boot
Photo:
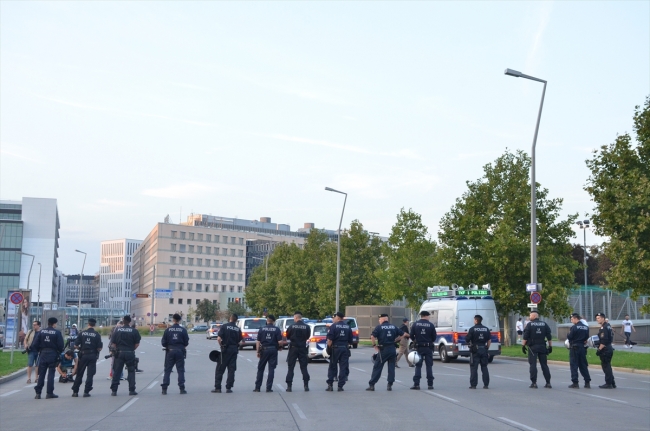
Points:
(330, 388)
(288, 387)
(574, 386)
(370, 388)
(306, 387)
(415, 387)
(389, 387)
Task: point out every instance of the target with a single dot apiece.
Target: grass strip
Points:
(19, 362)
(637, 361)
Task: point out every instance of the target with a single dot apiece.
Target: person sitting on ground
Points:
(67, 367)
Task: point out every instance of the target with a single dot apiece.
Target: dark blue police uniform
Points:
(578, 335)
(341, 335)
(385, 333)
(269, 337)
(298, 334)
(423, 334)
(478, 335)
(49, 343)
(535, 334)
(126, 339)
(605, 336)
(230, 336)
(175, 340)
(89, 343)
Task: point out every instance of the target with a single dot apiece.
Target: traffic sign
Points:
(531, 287)
(535, 297)
(141, 295)
(532, 306)
(148, 314)
(16, 298)
(152, 328)
(155, 314)
(163, 293)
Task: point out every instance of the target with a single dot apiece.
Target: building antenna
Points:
(180, 216)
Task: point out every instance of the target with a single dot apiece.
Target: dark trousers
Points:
(340, 359)
(174, 357)
(46, 364)
(605, 362)
(627, 338)
(538, 353)
(427, 358)
(269, 356)
(229, 362)
(578, 361)
(87, 362)
(479, 358)
(128, 359)
(299, 354)
(387, 354)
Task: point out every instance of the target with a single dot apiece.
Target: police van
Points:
(452, 312)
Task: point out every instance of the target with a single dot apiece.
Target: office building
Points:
(116, 259)
(89, 291)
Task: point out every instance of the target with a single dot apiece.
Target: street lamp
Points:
(266, 270)
(584, 225)
(30, 266)
(533, 185)
(80, 281)
(40, 267)
(338, 248)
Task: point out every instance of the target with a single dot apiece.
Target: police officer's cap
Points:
(215, 355)
(600, 315)
(339, 314)
(424, 313)
(576, 315)
(271, 317)
(176, 317)
(234, 316)
(126, 319)
(405, 320)
(383, 315)
(92, 321)
(52, 320)
(297, 312)
(478, 317)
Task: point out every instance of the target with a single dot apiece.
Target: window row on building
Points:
(199, 249)
(204, 287)
(181, 273)
(190, 261)
(192, 236)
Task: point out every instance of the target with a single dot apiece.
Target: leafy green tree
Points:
(620, 186)
(485, 238)
(409, 259)
(236, 308)
(207, 311)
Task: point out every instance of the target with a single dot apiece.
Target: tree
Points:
(485, 238)
(409, 258)
(207, 311)
(597, 264)
(190, 314)
(236, 308)
(620, 187)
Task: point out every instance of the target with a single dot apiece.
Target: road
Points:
(508, 405)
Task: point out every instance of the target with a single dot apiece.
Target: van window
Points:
(489, 318)
(352, 323)
(466, 319)
(254, 324)
(320, 330)
(445, 318)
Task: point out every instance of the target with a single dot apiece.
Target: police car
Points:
(452, 312)
(250, 326)
(317, 340)
(352, 323)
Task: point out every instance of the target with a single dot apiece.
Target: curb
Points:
(595, 366)
(12, 376)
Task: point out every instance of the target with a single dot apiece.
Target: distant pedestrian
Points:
(298, 333)
(32, 360)
(628, 327)
(536, 333)
(229, 337)
(404, 343)
(383, 339)
(268, 344)
(578, 335)
(605, 350)
(520, 330)
(175, 341)
(479, 339)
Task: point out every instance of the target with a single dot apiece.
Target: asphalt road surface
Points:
(508, 405)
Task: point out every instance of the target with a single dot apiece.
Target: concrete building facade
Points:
(116, 260)
(89, 291)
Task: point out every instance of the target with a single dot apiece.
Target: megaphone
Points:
(472, 286)
(454, 286)
(486, 286)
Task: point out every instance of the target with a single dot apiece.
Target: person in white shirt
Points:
(628, 327)
(520, 330)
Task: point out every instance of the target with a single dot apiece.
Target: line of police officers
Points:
(126, 339)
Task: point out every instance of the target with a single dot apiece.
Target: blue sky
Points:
(128, 111)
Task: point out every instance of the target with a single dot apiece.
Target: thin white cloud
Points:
(533, 59)
(180, 191)
(12, 152)
(386, 184)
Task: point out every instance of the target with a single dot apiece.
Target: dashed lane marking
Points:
(510, 378)
(510, 421)
(152, 384)
(10, 393)
(300, 413)
(127, 405)
(358, 369)
(442, 396)
(605, 398)
(280, 387)
(453, 368)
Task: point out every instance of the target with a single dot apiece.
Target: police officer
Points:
(298, 333)
(535, 335)
(578, 335)
(423, 333)
(383, 338)
(605, 350)
(126, 339)
(175, 341)
(269, 339)
(339, 338)
(49, 343)
(229, 338)
(479, 340)
(89, 343)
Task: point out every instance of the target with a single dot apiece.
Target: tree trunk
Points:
(506, 331)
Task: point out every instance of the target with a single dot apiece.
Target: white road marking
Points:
(10, 393)
(127, 405)
(280, 386)
(518, 424)
(248, 360)
(605, 398)
(358, 369)
(300, 413)
(240, 355)
(442, 396)
(398, 381)
(643, 381)
(152, 384)
(452, 368)
(510, 378)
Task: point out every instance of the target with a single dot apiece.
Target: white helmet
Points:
(592, 341)
(567, 343)
(414, 357)
(325, 354)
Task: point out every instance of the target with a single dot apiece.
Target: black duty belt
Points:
(268, 347)
(125, 351)
(47, 349)
(89, 351)
(340, 345)
(424, 344)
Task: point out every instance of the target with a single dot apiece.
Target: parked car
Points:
(199, 328)
(317, 340)
(211, 332)
(250, 326)
(352, 322)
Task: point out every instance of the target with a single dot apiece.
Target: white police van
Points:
(452, 312)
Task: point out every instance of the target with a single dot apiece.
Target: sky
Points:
(126, 112)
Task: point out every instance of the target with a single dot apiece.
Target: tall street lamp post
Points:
(29, 274)
(266, 269)
(584, 225)
(80, 281)
(533, 185)
(338, 248)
